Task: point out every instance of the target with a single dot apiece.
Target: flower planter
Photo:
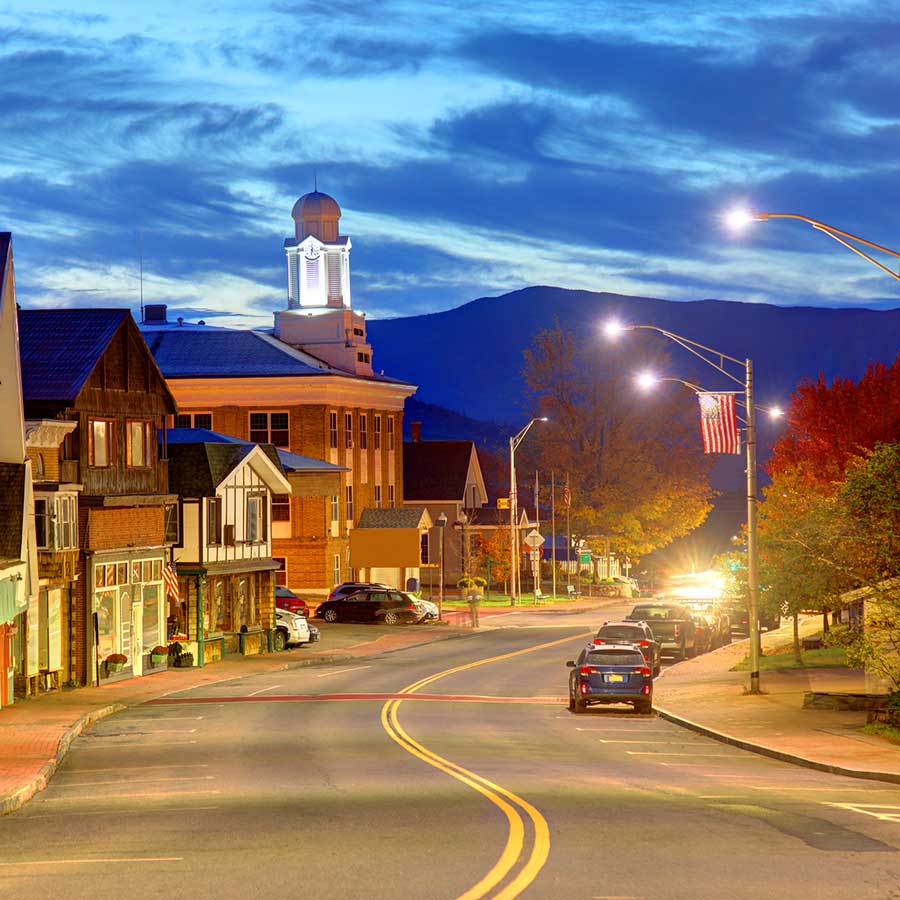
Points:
(157, 659)
(114, 667)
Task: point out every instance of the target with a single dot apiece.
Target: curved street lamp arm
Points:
(696, 348)
(842, 237)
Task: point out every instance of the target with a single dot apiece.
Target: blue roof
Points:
(292, 462)
(61, 347)
(225, 353)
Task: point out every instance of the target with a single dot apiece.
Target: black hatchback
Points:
(374, 604)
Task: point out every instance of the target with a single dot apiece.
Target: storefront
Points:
(9, 627)
(128, 612)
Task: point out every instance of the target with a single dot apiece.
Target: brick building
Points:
(309, 388)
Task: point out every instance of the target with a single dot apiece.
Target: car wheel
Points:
(692, 652)
(644, 707)
(680, 655)
(580, 706)
(571, 702)
(656, 670)
(330, 615)
(279, 640)
(391, 618)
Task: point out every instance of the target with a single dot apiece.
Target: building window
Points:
(42, 525)
(335, 508)
(390, 432)
(336, 570)
(377, 496)
(213, 521)
(173, 523)
(281, 571)
(281, 507)
(391, 496)
(332, 430)
(194, 420)
(256, 519)
(66, 523)
(270, 428)
(363, 357)
(348, 430)
(349, 502)
(141, 436)
(39, 465)
(101, 433)
(423, 543)
(363, 432)
(376, 433)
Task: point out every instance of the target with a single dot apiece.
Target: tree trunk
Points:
(825, 628)
(798, 658)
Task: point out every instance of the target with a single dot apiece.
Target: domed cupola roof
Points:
(316, 205)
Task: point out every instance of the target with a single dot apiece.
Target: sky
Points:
(474, 148)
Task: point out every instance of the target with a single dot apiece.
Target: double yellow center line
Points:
(511, 805)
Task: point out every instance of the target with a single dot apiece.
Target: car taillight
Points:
(645, 689)
(677, 632)
(643, 643)
(599, 641)
(585, 670)
(412, 606)
(584, 687)
(643, 670)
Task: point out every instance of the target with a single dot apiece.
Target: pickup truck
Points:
(672, 626)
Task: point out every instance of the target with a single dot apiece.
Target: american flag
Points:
(567, 494)
(170, 578)
(718, 423)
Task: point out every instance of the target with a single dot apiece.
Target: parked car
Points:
(285, 598)
(612, 673)
(428, 609)
(705, 632)
(290, 628)
(740, 618)
(672, 625)
(371, 604)
(718, 621)
(637, 633)
(351, 587)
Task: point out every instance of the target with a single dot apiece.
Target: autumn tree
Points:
(638, 475)
(491, 547)
(830, 424)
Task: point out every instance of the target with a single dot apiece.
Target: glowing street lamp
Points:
(739, 218)
(720, 361)
(513, 509)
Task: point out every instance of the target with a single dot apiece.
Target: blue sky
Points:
(474, 148)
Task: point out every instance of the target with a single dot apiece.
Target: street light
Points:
(738, 219)
(441, 523)
(513, 509)
(718, 361)
(648, 380)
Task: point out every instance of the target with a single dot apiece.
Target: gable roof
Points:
(12, 509)
(61, 347)
(436, 470)
(395, 517)
(5, 241)
(290, 462)
(197, 470)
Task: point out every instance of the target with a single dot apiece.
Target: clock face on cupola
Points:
(318, 257)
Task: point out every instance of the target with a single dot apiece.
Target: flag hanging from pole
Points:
(567, 493)
(718, 423)
(170, 579)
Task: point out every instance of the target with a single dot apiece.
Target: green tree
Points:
(638, 475)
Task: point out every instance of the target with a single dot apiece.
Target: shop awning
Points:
(8, 608)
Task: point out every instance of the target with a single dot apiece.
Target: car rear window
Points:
(654, 612)
(621, 632)
(614, 658)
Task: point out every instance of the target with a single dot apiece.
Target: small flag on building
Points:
(567, 494)
(170, 578)
(718, 423)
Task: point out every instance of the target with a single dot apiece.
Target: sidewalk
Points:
(704, 695)
(35, 733)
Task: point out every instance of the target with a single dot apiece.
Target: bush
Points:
(184, 660)
(159, 650)
(116, 659)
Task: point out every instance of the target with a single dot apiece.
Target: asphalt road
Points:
(478, 784)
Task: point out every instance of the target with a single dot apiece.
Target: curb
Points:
(19, 798)
(762, 750)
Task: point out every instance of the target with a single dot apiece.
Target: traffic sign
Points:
(533, 539)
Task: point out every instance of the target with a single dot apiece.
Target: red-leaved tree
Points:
(830, 424)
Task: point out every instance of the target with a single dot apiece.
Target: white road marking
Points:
(167, 731)
(263, 690)
(120, 812)
(84, 862)
(658, 743)
(778, 787)
(136, 768)
(139, 781)
(341, 671)
(130, 796)
(883, 812)
(163, 718)
(674, 753)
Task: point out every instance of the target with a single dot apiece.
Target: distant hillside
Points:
(469, 359)
(441, 424)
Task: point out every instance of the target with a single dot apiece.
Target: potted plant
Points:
(472, 587)
(115, 662)
(159, 655)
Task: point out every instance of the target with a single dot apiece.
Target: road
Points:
(478, 784)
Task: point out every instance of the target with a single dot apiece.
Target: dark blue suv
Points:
(611, 673)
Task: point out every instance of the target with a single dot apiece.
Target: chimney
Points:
(416, 431)
(155, 313)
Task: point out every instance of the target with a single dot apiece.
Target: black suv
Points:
(383, 605)
(638, 633)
